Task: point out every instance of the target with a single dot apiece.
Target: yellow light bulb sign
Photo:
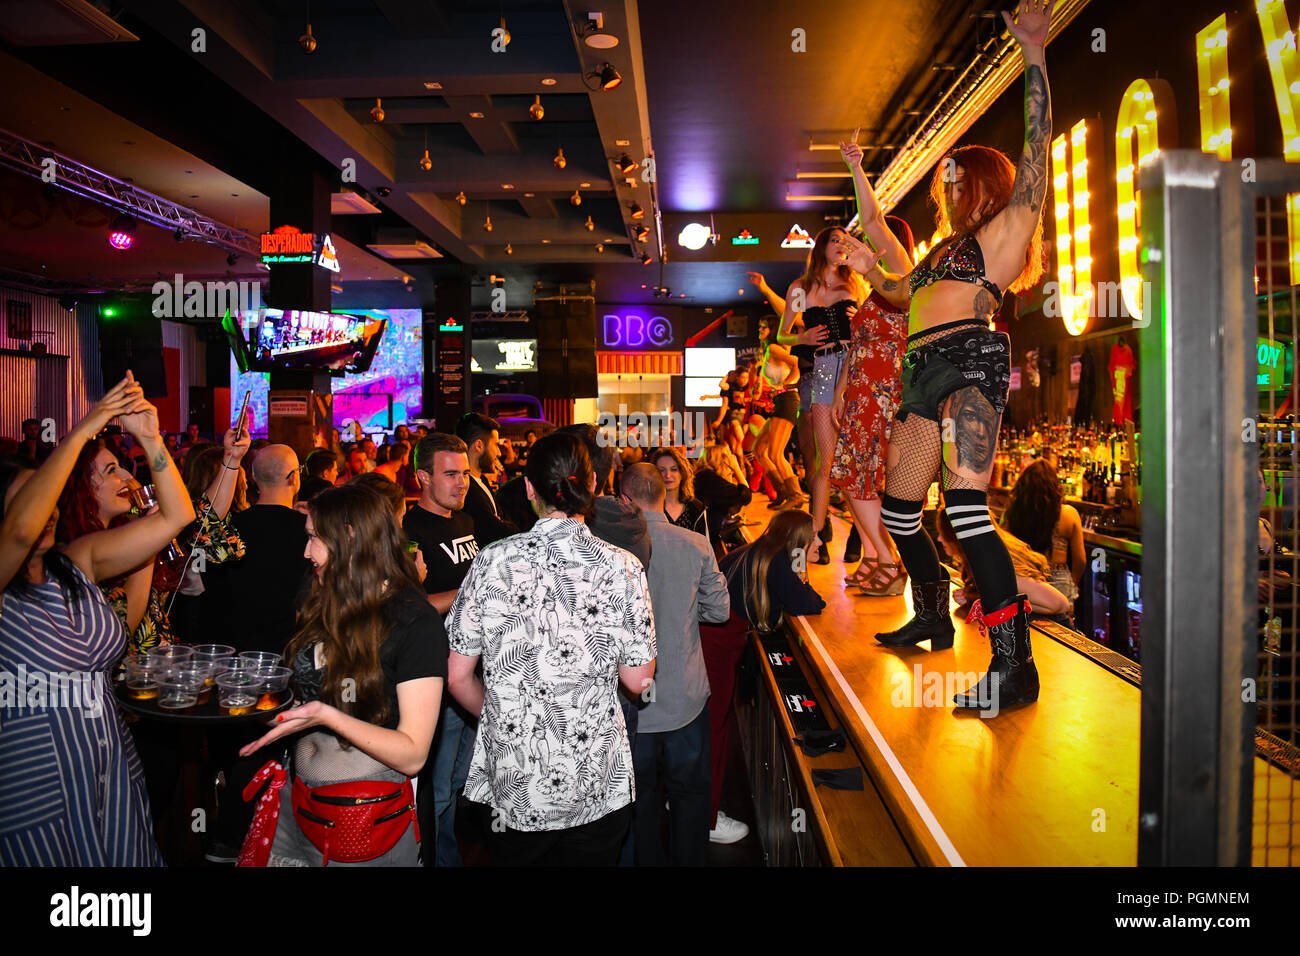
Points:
(1212, 82)
(1073, 246)
(1140, 110)
(1284, 69)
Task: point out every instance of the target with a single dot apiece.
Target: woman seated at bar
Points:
(71, 789)
(1033, 576)
(370, 659)
(559, 618)
(680, 505)
(723, 491)
(1037, 516)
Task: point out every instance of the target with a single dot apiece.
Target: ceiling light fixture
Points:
(507, 185)
(642, 234)
(559, 160)
(576, 198)
(487, 223)
(646, 259)
(460, 197)
(625, 164)
(121, 233)
(475, 115)
(591, 226)
(432, 86)
(505, 33)
(536, 111)
(509, 250)
(549, 81)
(636, 211)
(425, 162)
(606, 77)
(694, 236)
(377, 111)
(592, 31)
(307, 42)
(600, 247)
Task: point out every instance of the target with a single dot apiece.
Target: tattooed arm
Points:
(106, 554)
(871, 216)
(1009, 234)
(894, 288)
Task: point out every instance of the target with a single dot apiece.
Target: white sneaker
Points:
(728, 830)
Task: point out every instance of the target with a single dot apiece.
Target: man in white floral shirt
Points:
(559, 618)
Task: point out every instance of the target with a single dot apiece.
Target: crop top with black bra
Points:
(834, 317)
(961, 260)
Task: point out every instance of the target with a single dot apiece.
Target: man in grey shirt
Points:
(686, 588)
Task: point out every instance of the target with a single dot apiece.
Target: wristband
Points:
(229, 467)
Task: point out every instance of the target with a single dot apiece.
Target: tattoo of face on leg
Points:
(977, 429)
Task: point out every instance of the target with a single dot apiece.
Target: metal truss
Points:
(32, 159)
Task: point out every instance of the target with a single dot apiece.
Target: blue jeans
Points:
(685, 760)
(453, 746)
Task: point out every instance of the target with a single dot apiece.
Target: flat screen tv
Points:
(279, 339)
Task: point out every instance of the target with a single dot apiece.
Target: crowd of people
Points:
(553, 630)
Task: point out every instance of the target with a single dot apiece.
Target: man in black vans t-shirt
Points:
(445, 535)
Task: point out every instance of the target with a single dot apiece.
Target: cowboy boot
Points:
(1012, 677)
(931, 621)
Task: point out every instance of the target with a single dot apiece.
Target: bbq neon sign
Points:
(634, 330)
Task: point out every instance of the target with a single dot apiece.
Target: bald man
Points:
(251, 601)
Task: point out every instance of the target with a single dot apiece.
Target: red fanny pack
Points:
(357, 821)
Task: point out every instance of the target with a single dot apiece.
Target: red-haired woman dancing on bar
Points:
(956, 376)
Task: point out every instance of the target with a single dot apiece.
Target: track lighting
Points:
(625, 164)
(637, 211)
(642, 234)
(646, 259)
(609, 77)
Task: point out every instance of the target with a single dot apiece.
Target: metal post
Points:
(1198, 411)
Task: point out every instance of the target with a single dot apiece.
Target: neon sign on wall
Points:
(636, 329)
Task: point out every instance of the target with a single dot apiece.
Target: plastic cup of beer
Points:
(142, 674)
(261, 659)
(171, 654)
(237, 692)
(178, 688)
(273, 687)
(212, 652)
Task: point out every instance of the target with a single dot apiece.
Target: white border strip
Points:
(922, 808)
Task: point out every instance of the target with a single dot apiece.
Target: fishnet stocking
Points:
(915, 452)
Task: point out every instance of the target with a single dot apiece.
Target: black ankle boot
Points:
(932, 620)
(827, 534)
(1012, 677)
(853, 546)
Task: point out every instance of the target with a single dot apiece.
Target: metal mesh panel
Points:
(1275, 840)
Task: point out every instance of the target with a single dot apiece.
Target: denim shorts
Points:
(805, 388)
(969, 356)
(826, 372)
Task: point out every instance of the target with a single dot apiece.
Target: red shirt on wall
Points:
(1122, 366)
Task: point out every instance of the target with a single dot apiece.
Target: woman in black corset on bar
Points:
(956, 375)
(826, 295)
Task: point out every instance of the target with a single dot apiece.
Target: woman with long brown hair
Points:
(957, 374)
(826, 296)
(680, 504)
(1037, 514)
(370, 659)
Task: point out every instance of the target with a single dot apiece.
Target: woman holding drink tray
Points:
(370, 659)
(71, 789)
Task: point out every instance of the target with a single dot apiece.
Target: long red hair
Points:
(817, 262)
(990, 178)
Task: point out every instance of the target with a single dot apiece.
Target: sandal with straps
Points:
(863, 575)
(894, 581)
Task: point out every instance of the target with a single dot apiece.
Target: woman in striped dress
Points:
(71, 790)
